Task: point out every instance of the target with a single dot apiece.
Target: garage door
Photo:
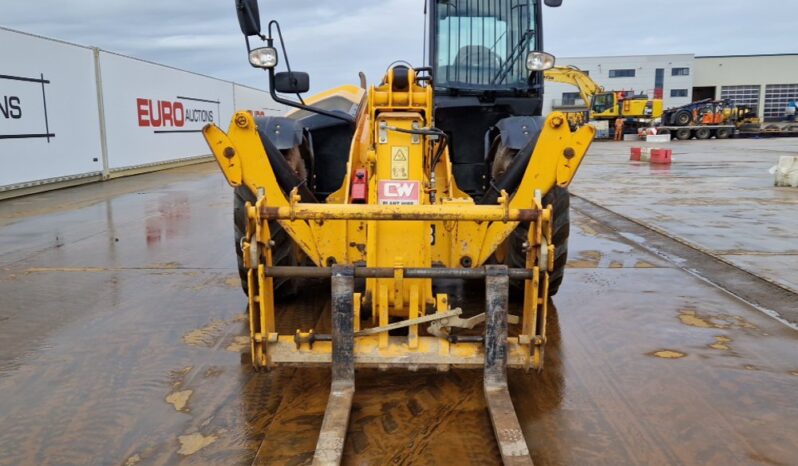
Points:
(777, 96)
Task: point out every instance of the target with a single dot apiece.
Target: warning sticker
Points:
(400, 167)
(398, 192)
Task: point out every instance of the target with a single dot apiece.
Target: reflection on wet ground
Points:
(717, 195)
(122, 335)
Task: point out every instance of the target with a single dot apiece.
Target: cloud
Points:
(333, 40)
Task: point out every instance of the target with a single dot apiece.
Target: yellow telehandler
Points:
(436, 173)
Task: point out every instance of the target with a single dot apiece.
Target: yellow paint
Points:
(616, 265)
(238, 344)
(721, 321)
(133, 460)
(179, 399)
(669, 354)
(205, 336)
(721, 343)
(232, 282)
(586, 260)
(644, 265)
(192, 443)
(587, 229)
(691, 318)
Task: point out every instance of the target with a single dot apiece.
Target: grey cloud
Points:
(333, 40)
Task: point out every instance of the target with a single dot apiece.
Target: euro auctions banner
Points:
(155, 114)
(49, 125)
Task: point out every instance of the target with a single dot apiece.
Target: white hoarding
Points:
(154, 113)
(257, 102)
(49, 125)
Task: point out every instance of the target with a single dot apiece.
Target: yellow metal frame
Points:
(397, 236)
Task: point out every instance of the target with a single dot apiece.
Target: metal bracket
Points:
(453, 313)
(441, 328)
(330, 446)
(506, 427)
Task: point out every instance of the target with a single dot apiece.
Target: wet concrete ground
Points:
(717, 195)
(121, 335)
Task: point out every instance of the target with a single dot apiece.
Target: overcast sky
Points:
(333, 40)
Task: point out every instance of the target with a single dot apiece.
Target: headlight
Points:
(264, 57)
(539, 61)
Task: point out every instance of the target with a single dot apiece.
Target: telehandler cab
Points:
(439, 172)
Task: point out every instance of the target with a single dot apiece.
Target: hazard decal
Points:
(400, 166)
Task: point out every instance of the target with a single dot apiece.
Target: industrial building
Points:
(765, 82)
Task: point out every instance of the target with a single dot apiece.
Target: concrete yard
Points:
(122, 331)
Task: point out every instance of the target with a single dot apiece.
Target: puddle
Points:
(179, 399)
(668, 354)
(192, 443)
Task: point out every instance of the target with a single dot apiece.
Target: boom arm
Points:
(576, 77)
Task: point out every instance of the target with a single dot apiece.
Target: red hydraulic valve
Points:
(359, 190)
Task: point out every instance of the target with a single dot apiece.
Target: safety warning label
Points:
(400, 166)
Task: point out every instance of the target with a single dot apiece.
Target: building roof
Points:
(754, 55)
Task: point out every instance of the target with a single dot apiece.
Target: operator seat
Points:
(475, 64)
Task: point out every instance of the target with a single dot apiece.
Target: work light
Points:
(264, 57)
(539, 61)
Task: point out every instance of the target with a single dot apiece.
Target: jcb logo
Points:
(398, 192)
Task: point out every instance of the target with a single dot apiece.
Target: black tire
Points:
(283, 253)
(682, 118)
(683, 134)
(664, 132)
(703, 133)
(723, 133)
(560, 200)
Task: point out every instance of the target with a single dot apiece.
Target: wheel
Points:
(663, 131)
(723, 133)
(560, 200)
(703, 133)
(682, 118)
(683, 134)
(284, 251)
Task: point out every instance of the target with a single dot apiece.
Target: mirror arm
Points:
(347, 118)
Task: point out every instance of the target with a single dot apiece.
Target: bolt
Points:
(569, 153)
(241, 121)
(556, 122)
(466, 262)
(229, 152)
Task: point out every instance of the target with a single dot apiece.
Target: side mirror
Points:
(291, 82)
(553, 3)
(248, 17)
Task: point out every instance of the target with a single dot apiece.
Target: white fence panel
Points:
(154, 114)
(49, 125)
(257, 102)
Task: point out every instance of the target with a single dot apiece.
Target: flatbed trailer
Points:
(772, 129)
(684, 133)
